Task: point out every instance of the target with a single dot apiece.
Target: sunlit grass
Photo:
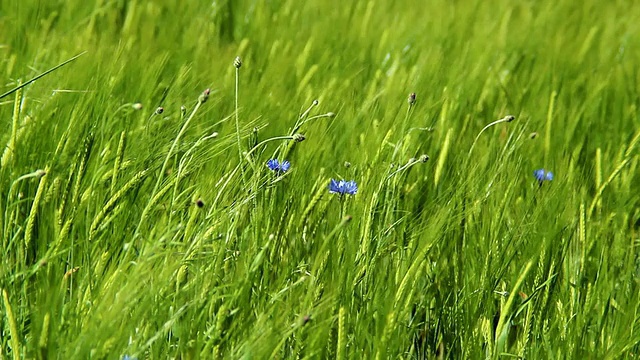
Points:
(140, 214)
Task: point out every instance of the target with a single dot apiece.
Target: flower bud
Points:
(204, 96)
(412, 99)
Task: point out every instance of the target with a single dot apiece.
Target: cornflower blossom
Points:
(343, 187)
(278, 167)
(543, 175)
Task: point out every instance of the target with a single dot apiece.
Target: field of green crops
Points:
(321, 179)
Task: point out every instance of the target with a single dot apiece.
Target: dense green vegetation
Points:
(139, 218)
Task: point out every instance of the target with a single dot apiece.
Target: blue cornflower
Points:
(276, 166)
(543, 175)
(127, 357)
(343, 187)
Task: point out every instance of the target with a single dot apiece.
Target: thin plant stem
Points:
(173, 146)
(164, 166)
(287, 137)
(508, 118)
(236, 113)
(41, 75)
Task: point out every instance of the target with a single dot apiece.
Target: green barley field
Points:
(449, 179)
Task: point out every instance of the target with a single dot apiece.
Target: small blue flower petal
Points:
(351, 187)
(334, 187)
(343, 187)
(273, 164)
(543, 175)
